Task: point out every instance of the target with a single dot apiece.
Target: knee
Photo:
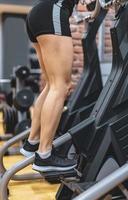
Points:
(46, 86)
(44, 83)
(68, 87)
(62, 88)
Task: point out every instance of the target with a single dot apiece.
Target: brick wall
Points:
(77, 68)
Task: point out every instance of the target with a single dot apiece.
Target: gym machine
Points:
(83, 99)
(88, 89)
(101, 140)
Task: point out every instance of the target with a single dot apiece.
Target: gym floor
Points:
(37, 189)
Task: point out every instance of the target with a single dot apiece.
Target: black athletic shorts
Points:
(48, 17)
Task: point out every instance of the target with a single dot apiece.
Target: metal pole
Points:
(8, 175)
(9, 143)
(5, 80)
(105, 185)
(62, 139)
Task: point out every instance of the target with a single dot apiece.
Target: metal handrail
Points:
(10, 173)
(4, 148)
(105, 185)
(9, 143)
(96, 11)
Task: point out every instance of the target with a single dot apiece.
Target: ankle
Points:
(43, 149)
(45, 154)
(34, 137)
(33, 141)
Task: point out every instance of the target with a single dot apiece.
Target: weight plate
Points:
(7, 124)
(33, 84)
(15, 116)
(22, 72)
(12, 120)
(22, 126)
(9, 119)
(6, 117)
(9, 98)
(24, 99)
(13, 82)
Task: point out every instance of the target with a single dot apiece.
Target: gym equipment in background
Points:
(33, 58)
(25, 95)
(24, 99)
(24, 84)
(101, 141)
(10, 118)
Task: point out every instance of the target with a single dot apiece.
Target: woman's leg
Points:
(57, 54)
(35, 127)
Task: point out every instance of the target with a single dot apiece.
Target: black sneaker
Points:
(53, 163)
(29, 149)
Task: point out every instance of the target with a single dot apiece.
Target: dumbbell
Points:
(23, 99)
(32, 82)
(22, 126)
(13, 81)
(22, 72)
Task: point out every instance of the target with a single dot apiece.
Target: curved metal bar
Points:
(9, 174)
(9, 143)
(62, 139)
(27, 177)
(31, 176)
(96, 11)
(88, 16)
(105, 185)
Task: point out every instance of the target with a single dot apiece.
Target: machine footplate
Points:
(56, 177)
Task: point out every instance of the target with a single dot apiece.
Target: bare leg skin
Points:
(35, 127)
(57, 53)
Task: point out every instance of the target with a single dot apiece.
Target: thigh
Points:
(40, 59)
(57, 54)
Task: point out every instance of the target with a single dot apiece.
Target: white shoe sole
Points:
(51, 168)
(26, 153)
